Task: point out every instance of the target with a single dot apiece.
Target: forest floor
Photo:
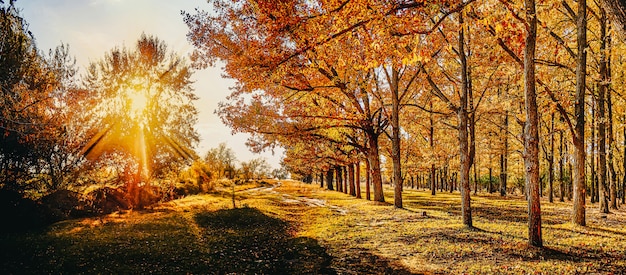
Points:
(293, 228)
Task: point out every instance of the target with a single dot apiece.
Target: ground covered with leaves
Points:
(295, 228)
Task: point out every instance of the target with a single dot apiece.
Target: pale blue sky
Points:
(93, 27)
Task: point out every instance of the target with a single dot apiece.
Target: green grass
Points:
(297, 228)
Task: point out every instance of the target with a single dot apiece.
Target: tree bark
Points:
(504, 155)
(344, 171)
(578, 175)
(351, 179)
(329, 179)
(374, 158)
(592, 161)
(368, 179)
(551, 162)
(602, 87)
(395, 138)
(561, 168)
(466, 210)
(611, 142)
(358, 179)
(624, 166)
(531, 131)
(339, 178)
(433, 185)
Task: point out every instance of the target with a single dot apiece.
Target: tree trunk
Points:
(578, 175)
(602, 169)
(351, 172)
(491, 189)
(592, 161)
(561, 169)
(395, 138)
(466, 210)
(344, 171)
(624, 166)
(368, 179)
(329, 179)
(358, 179)
(339, 178)
(531, 131)
(504, 155)
(433, 186)
(475, 177)
(374, 157)
(551, 162)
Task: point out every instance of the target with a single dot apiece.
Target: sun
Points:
(138, 105)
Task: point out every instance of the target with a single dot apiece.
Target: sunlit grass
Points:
(320, 229)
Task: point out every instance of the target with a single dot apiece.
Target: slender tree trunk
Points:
(531, 131)
(602, 169)
(475, 177)
(592, 161)
(395, 138)
(431, 133)
(339, 178)
(322, 179)
(466, 210)
(624, 166)
(433, 181)
(491, 189)
(368, 179)
(344, 173)
(551, 162)
(561, 169)
(504, 155)
(611, 145)
(351, 179)
(358, 179)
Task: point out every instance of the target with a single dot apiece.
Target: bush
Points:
(150, 194)
(186, 188)
(65, 204)
(107, 200)
(19, 213)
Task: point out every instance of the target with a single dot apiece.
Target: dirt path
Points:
(299, 199)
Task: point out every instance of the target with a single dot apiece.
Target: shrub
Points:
(65, 204)
(107, 200)
(19, 213)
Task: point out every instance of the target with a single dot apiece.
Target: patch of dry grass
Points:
(439, 243)
(289, 227)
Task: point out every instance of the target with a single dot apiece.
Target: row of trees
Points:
(427, 85)
(221, 163)
(128, 120)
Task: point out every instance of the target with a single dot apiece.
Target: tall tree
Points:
(144, 108)
(531, 133)
(578, 216)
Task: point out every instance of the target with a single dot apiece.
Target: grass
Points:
(295, 228)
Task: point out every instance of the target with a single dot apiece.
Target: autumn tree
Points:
(143, 108)
(40, 110)
(221, 160)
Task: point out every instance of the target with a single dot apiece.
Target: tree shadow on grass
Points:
(246, 241)
(490, 212)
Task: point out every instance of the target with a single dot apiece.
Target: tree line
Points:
(531, 90)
